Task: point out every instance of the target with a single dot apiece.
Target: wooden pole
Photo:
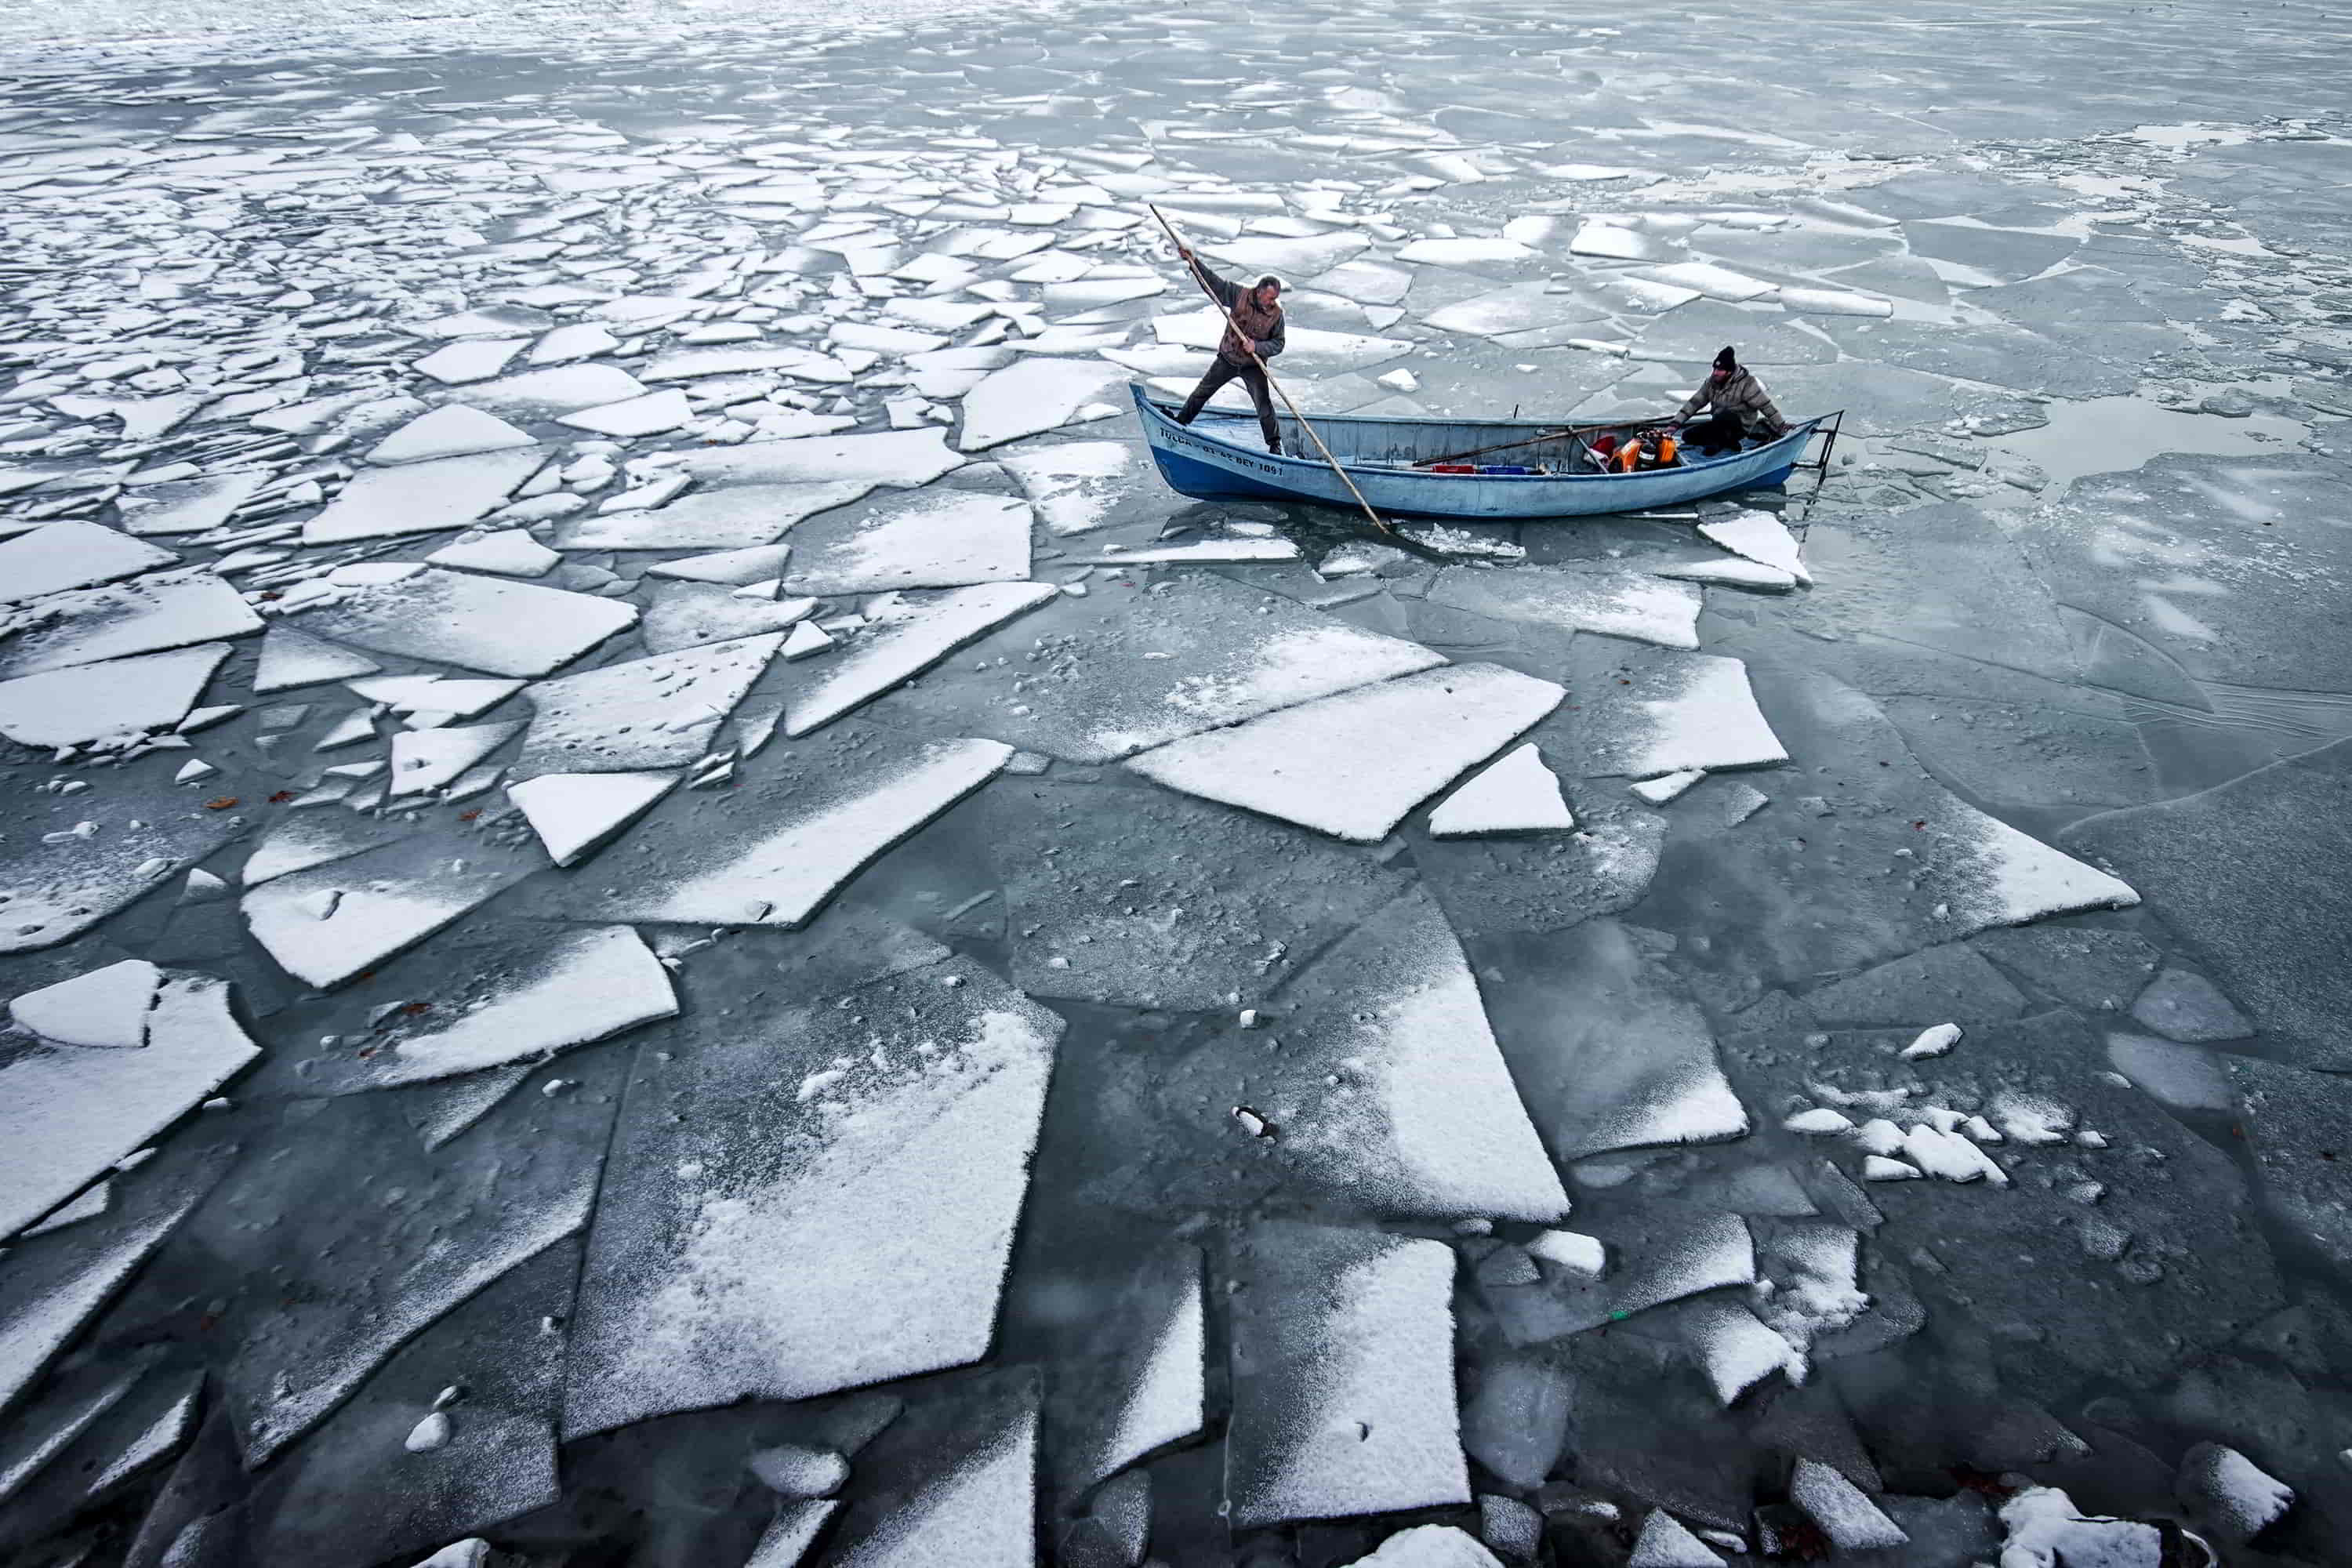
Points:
(1236, 328)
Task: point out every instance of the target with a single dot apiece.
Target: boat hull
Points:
(1198, 462)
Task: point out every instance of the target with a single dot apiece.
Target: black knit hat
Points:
(1726, 359)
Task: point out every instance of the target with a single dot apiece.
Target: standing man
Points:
(1741, 408)
(1257, 315)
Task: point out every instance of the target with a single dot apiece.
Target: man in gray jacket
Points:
(1741, 408)
(1257, 314)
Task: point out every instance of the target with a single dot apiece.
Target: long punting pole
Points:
(1195, 267)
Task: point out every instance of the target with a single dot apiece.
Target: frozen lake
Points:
(665, 910)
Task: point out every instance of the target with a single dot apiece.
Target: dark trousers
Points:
(1718, 432)
(1223, 370)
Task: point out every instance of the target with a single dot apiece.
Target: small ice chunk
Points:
(422, 496)
(290, 659)
(2229, 1493)
(1032, 396)
(105, 1009)
(1659, 791)
(1760, 537)
(452, 430)
(800, 1471)
(1582, 1255)
(425, 760)
(113, 699)
(1932, 1042)
(755, 563)
(1878, 1168)
(1850, 1521)
(1429, 1546)
(431, 1434)
(647, 415)
(1879, 1136)
(1820, 1123)
(509, 552)
(1664, 1543)
(1518, 795)
(806, 639)
(574, 813)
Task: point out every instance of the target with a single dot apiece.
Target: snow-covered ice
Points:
(64, 556)
(924, 541)
(424, 497)
(1331, 765)
(460, 617)
(116, 698)
(1610, 600)
(1342, 1377)
(1517, 794)
(915, 633)
(889, 1136)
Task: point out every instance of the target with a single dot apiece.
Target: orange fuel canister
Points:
(1628, 457)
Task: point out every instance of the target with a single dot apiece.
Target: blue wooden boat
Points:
(1531, 468)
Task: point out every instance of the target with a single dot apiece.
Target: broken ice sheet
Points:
(1188, 655)
(57, 1283)
(452, 430)
(1387, 1091)
(1658, 1251)
(1342, 1377)
(915, 632)
(354, 1491)
(1131, 1379)
(953, 1480)
(425, 760)
(319, 1295)
(657, 713)
(100, 1009)
(908, 460)
(57, 880)
(61, 555)
(290, 659)
(1179, 903)
(68, 1112)
(326, 924)
(573, 814)
(1615, 601)
(186, 506)
(160, 610)
(1081, 485)
(116, 698)
(772, 850)
(728, 516)
(1034, 395)
(422, 496)
(1644, 712)
(458, 617)
(934, 539)
(514, 992)
(885, 1142)
(1608, 1047)
(1332, 764)
(1517, 794)
(681, 616)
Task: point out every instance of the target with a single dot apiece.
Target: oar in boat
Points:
(1194, 266)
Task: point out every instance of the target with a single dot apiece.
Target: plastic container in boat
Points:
(1451, 469)
(1506, 468)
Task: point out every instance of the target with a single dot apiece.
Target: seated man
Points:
(1242, 353)
(1741, 408)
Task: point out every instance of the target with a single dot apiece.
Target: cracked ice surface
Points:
(299, 317)
(889, 1137)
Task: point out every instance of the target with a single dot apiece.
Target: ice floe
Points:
(160, 610)
(422, 497)
(1037, 395)
(1342, 1377)
(775, 849)
(1615, 601)
(326, 923)
(115, 700)
(69, 1111)
(730, 516)
(907, 459)
(104, 1009)
(62, 555)
(1517, 794)
(889, 1136)
(1331, 765)
(452, 430)
(459, 618)
(925, 541)
(914, 633)
(573, 814)
(1666, 711)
